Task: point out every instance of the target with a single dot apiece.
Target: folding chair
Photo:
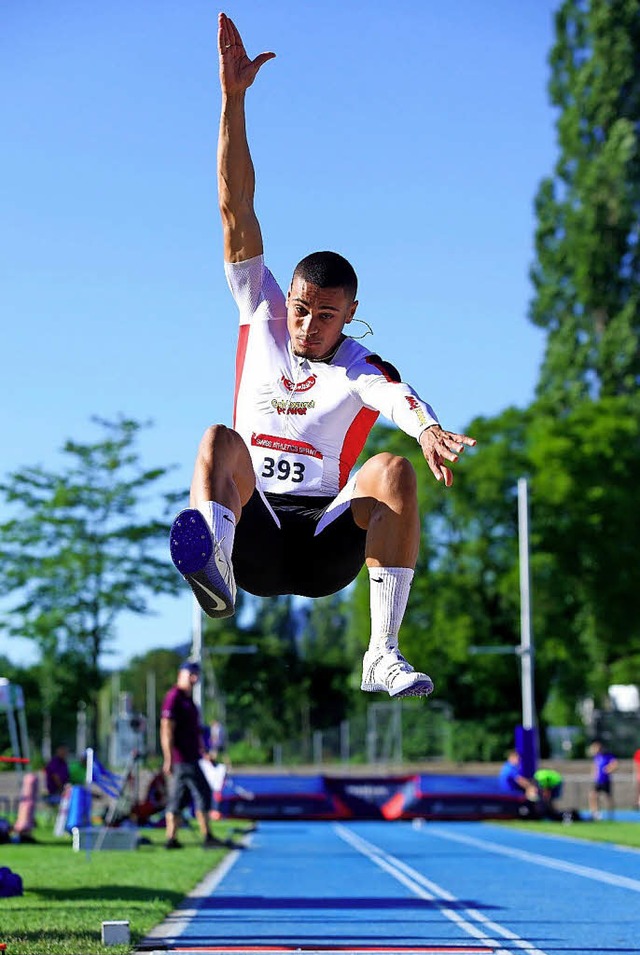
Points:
(107, 835)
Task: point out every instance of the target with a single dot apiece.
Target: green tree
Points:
(466, 588)
(264, 692)
(82, 548)
(583, 468)
(585, 441)
(326, 660)
(578, 444)
(587, 270)
(147, 678)
(296, 680)
(465, 591)
(586, 468)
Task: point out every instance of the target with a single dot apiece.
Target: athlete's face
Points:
(316, 317)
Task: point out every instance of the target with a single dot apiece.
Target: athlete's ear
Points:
(352, 311)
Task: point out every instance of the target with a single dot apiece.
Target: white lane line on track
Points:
(177, 922)
(587, 872)
(426, 889)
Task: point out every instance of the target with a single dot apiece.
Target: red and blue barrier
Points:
(438, 797)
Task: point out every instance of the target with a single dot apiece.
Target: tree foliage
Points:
(465, 586)
(582, 470)
(587, 267)
(585, 444)
(587, 468)
(80, 548)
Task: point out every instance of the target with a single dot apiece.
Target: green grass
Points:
(67, 894)
(619, 833)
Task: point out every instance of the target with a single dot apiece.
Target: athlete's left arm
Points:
(382, 388)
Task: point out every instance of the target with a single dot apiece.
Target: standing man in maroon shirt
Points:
(182, 749)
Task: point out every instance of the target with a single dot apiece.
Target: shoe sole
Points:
(191, 550)
(422, 688)
(419, 688)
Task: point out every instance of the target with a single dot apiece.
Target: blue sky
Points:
(409, 137)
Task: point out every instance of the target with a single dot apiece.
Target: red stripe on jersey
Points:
(354, 441)
(241, 351)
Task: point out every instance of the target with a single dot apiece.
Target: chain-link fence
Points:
(390, 732)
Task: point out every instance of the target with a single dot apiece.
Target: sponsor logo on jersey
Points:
(289, 446)
(292, 407)
(415, 405)
(301, 385)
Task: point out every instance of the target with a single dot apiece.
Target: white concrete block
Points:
(115, 933)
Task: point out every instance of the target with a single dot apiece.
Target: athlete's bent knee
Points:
(216, 439)
(216, 433)
(393, 475)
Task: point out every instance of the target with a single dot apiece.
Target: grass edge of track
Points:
(67, 894)
(625, 834)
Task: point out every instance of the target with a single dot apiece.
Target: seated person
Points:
(549, 783)
(154, 802)
(217, 742)
(57, 774)
(512, 780)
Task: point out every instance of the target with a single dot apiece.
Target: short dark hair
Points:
(191, 665)
(328, 270)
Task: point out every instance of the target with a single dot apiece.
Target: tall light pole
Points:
(527, 741)
(526, 636)
(526, 734)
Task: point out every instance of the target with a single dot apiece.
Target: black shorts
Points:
(269, 560)
(187, 779)
(603, 787)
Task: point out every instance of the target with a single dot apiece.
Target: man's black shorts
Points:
(603, 787)
(185, 779)
(268, 560)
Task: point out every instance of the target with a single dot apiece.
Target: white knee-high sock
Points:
(222, 522)
(389, 593)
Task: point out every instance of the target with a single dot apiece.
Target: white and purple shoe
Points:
(386, 671)
(203, 564)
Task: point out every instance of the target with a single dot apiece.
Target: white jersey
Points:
(305, 422)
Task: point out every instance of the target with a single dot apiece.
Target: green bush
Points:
(247, 754)
(474, 742)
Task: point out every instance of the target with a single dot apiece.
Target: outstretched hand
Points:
(237, 71)
(439, 446)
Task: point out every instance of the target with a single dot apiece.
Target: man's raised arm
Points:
(236, 178)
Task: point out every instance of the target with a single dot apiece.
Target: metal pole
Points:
(372, 733)
(14, 739)
(81, 727)
(22, 722)
(398, 732)
(196, 651)
(526, 636)
(151, 712)
(344, 741)
(113, 719)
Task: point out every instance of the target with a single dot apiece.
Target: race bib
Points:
(286, 465)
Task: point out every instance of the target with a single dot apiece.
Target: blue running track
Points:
(402, 887)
